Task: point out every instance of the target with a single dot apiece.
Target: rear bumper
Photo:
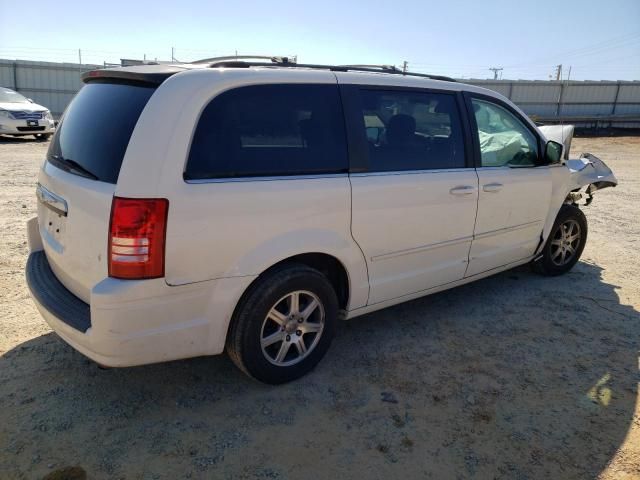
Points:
(52, 296)
(136, 322)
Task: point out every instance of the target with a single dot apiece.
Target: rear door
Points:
(514, 192)
(414, 194)
(78, 180)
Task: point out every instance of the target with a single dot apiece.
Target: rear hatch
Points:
(78, 180)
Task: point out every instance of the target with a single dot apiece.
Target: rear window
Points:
(95, 129)
(270, 130)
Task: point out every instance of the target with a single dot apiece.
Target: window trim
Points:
(468, 97)
(272, 176)
(357, 136)
(269, 178)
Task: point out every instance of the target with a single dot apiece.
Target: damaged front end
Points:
(587, 175)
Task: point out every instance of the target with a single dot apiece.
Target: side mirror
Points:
(553, 152)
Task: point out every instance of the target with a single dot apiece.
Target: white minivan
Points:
(247, 206)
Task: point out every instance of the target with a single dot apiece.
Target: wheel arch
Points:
(327, 264)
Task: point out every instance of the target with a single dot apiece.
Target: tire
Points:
(569, 222)
(264, 324)
(43, 136)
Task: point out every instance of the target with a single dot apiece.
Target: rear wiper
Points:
(72, 164)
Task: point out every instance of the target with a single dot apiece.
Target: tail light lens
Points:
(137, 237)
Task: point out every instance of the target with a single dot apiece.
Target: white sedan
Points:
(19, 116)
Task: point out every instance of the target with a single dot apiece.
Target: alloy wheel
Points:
(292, 328)
(565, 242)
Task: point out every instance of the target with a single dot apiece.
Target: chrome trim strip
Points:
(506, 230)
(513, 167)
(423, 248)
(266, 178)
(51, 200)
(323, 175)
(412, 172)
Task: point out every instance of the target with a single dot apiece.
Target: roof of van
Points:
(155, 74)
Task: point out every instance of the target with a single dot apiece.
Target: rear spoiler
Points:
(146, 74)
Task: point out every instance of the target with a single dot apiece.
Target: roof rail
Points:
(272, 58)
(391, 68)
(237, 62)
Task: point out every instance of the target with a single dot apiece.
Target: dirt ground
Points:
(516, 376)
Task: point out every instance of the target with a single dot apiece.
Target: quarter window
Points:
(412, 130)
(504, 139)
(270, 130)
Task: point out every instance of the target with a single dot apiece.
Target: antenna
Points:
(495, 71)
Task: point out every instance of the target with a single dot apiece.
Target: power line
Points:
(599, 47)
(495, 71)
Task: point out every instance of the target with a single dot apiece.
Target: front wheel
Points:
(565, 243)
(284, 324)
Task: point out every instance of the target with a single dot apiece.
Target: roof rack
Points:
(271, 58)
(241, 61)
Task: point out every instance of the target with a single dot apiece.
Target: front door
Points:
(414, 206)
(514, 193)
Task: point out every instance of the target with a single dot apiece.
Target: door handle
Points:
(462, 190)
(492, 187)
(51, 200)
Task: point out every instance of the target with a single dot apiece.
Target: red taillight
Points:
(136, 237)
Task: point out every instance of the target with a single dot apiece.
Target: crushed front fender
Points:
(591, 172)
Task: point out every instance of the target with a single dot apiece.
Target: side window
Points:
(504, 139)
(270, 130)
(412, 130)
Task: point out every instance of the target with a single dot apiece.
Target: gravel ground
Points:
(516, 376)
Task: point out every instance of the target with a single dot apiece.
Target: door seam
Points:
(475, 221)
(364, 258)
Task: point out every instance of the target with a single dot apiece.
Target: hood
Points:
(22, 107)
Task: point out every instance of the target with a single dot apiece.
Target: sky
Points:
(599, 40)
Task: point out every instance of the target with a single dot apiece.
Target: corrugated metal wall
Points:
(52, 85)
(586, 104)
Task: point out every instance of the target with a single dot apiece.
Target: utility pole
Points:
(558, 72)
(173, 58)
(495, 71)
(405, 66)
(79, 56)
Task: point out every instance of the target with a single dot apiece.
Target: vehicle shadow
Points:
(5, 139)
(514, 376)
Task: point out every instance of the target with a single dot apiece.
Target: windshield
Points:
(94, 132)
(9, 96)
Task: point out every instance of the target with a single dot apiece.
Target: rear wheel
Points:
(284, 324)
(565, 243)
